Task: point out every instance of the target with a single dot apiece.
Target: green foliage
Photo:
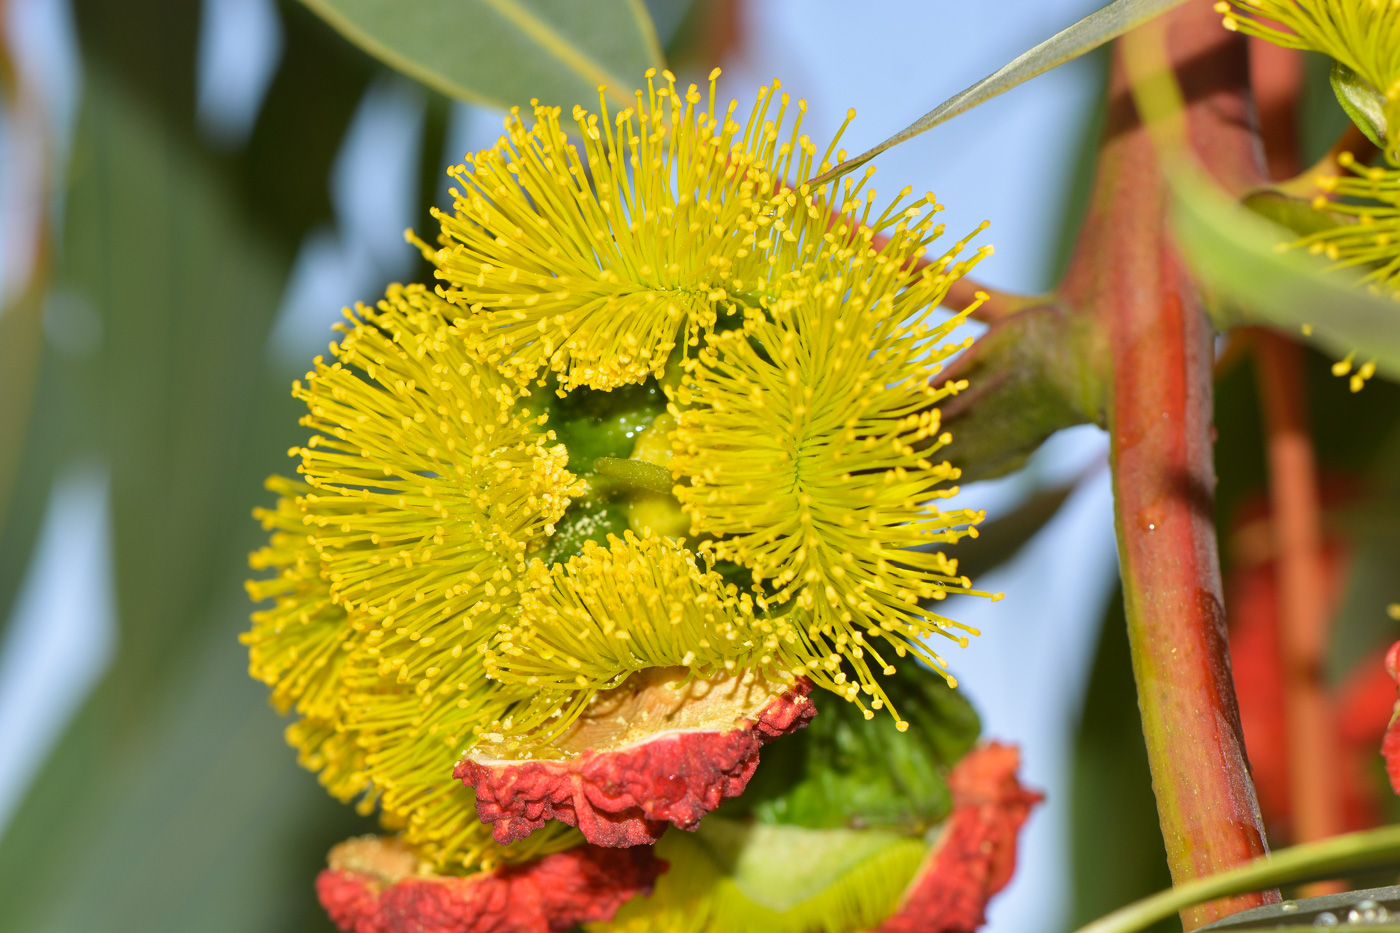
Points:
(1237, 253)
(1362, 629)
(1338, 857)
(845, 771)
(504, 53)
(1362, 102)
(736, 877)
(593, 424)
(172, 803)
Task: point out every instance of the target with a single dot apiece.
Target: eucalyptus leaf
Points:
(505, 53)
(1297, 214)
(1239, 254)
(1099, 27)
(200, 819)
(1361, 101)
(754, 878)
(1377, 908)
(845, 771)
(1313, 861)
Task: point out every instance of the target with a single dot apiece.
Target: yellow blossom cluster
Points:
(440, 572)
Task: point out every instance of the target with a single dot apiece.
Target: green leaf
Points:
(1089, 33)
(1313, 861)
(752, 878)
(172, 803)
(1296, 214)
(1377, 909)
(504, 53)
(1361, 101)
(845, 771)
(1238, 254)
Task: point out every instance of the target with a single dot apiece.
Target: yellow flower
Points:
(444, 573)
(807, 440)
(639, 603)
(1364, 35)
(425, 487)
(1370, 195)
(671, 218)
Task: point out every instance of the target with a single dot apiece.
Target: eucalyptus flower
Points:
(1364, 35)
(577, 533)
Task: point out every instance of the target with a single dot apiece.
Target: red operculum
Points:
(549, 895)
(628, 795)
(976, 851)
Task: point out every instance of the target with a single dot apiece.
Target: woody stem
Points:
(1128, 274)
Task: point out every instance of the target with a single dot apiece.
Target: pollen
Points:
(1368, 196)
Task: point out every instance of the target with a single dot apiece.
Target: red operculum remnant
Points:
(1390, 745)
(663, 748)
(372, 886)
(976, 852)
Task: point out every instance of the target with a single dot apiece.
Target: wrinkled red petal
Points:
(549, 895)
(628, 795)
(1390, 744)
(976, 853)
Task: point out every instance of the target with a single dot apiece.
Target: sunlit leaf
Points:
(1089, 33)
(506, 52)
(1237, 253)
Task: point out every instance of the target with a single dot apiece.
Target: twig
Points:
(1277, 76)
(1126, 269)
(1297, 524)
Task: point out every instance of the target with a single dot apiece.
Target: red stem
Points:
(1127, 272)
(1297, 525)
(1277, 76)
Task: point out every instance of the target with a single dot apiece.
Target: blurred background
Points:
(190, 192)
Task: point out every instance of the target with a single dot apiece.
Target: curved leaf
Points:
(1236, 252)
(1362, 102)
(1089, 33)
(505, 53)
(1313, 861)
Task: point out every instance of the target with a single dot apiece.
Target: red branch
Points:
(1297, 526)
(1127, 271)
(1313, 756)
